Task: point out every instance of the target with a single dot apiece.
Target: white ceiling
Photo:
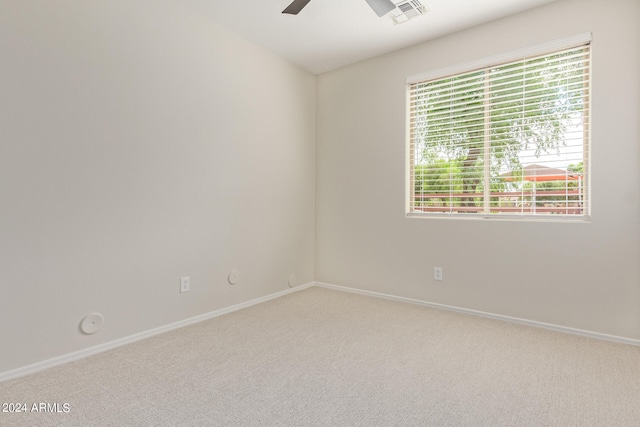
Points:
(329, 34)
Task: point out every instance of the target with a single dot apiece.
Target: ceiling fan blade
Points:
(381, 7)
(296, 6)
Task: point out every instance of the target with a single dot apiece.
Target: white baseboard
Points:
(50, 363)
(557, 328)
(60, 360)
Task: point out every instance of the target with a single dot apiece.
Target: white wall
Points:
(579, 275)
(140, 143)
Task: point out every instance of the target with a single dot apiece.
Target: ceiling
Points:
(329, 34)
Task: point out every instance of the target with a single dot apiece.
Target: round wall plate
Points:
(233, 277)
(92, 323)
(293, 281)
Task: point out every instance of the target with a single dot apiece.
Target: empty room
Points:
(321, 213)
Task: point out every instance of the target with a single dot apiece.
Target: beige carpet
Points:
(321, 357)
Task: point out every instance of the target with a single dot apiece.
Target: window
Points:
(509, 138)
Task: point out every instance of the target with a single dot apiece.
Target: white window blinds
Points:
(511, 138)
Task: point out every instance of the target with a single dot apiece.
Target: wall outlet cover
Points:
(185, 284)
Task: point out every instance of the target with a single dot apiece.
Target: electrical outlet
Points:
(185, 284)
(437, 273)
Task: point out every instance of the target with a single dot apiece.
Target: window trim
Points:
(489, 61)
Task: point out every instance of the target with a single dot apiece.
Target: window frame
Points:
(493, 61)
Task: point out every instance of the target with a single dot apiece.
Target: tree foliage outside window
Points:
(475, 136)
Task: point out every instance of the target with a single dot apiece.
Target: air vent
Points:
(407, 9)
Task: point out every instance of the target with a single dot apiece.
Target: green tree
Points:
(438, 177)
(577, 168)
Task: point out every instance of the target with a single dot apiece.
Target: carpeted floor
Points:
(321, 357)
